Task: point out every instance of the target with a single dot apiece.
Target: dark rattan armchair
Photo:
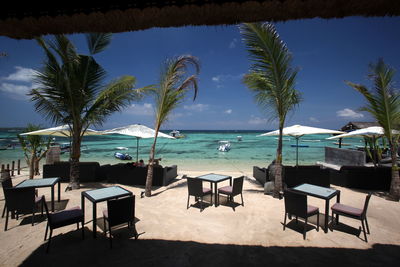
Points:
(21, 201)
(296, 204)
(355, 213)
(195, 188)
(120, 211)
(234, 190)
(62, 218)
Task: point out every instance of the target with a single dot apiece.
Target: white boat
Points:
(224, 146)
(176, 134)
(121, 148)
(239, 138)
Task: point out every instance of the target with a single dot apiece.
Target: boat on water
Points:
(299, 145)
(121, 148)
(176, 134)
(239, 138)
(224, 146)
(122, 156)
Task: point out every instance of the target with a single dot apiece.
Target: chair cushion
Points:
(312, 209)
(38, 199)
(66, 217)
(347, 209)
(226, 190)
(206, 191)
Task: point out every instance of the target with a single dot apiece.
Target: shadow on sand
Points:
(70, 250)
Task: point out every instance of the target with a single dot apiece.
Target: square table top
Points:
(106, 193)
(38, 182)
(212, 177)
(315, 190)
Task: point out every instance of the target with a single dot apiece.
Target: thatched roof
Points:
(355, 125)
(38, 18)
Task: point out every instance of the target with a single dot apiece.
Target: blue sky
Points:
(327, 52)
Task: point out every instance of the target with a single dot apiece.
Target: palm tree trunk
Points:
(32, 165)
(278, 166)
(150, 167)
(37, 160)
(395, 183)
(75, 154)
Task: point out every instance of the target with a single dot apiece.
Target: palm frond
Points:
(98, 42)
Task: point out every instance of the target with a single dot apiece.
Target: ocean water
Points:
(197, 151)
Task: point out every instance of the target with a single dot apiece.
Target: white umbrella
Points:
(298, 131)
(138, 131)
(63, 131)
(375, 131)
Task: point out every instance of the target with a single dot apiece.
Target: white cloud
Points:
(228, 111)
(15, 91)
(232, 44)
(21, 75)
(19, 83)
(146, 109)
(257, 120)
(349, 113)
(313, 119)
(196, 107)
(222, 78)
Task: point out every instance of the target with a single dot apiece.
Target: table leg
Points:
(338, 201)
(326, 215)
(94, 219)
(52, 198)
(215, 194)
(83, 206)
(59, 191)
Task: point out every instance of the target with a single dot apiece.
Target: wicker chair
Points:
(296, 204)
(196, 189)
(234, 190)
(62, 218)
(355, 213)
(120, 211)
(21, 201)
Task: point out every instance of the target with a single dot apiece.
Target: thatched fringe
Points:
(121, 18)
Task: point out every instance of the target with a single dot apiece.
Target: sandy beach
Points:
(171, 235)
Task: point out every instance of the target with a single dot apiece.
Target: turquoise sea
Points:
(197, 151)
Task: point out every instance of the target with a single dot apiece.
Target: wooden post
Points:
(12, 168)
(2, 167)
(19, 167)
(8, 167)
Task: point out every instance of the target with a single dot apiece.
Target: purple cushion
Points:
(38, 199)
(226, 190)
(206, 190)
(346, 209)
(311, 209)
(66, 217)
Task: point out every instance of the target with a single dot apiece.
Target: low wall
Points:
(340, 156)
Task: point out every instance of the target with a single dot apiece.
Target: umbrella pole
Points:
(137, 149)
(297, 151)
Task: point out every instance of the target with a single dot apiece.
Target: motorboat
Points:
(224, 146)
(122, 156)
(176, 134)
(121, 148)
(239, 138)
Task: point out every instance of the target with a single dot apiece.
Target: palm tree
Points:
(72, 90)
(383, 103)
(272, 79)
(170, 92)
(35, 148)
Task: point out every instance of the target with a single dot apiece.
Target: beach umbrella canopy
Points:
(62, 130)
(138, 131)
(298, 131)
(375, 131)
